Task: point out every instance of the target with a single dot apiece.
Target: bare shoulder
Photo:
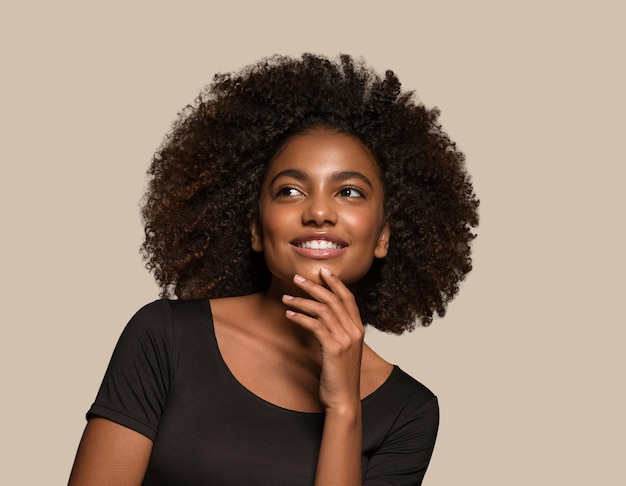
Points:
(234, 310)
(374, 371)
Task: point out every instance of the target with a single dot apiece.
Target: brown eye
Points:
(287, 191)
(351, 192)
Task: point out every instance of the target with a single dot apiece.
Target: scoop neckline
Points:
(233, 379)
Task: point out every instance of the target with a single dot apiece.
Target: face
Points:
(321, 205)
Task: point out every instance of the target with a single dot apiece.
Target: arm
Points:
(110, 453)
(403, 457)
(123, 421)
(339, 461)
(333, 318)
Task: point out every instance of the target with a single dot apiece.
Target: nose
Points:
(319, 210)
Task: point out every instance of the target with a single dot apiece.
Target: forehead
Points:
(323, 151)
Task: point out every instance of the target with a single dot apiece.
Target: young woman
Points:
(294, 203)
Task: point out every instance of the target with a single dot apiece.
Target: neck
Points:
(273, 311)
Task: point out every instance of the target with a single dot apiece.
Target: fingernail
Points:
(299, 278)
(290, 313)
(326, 271)
(287, 297)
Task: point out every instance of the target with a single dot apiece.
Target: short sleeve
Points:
(403, 457)
(135, 385)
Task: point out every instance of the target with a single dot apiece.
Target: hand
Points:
(333, 318)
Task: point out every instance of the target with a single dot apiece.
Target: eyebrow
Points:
(336, 176)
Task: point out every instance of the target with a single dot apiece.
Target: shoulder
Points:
(400, 424)
(151, 321)
(157, 311)
(403, 399)
(409, 395)
(387, 382)
(157, 326)
(236, 310)
(407, 387)
(164, 313)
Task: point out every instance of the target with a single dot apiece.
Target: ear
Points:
(256, 236)
(383, 242)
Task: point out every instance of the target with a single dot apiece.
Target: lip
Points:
(319, 253)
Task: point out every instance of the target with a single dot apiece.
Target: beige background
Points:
(528, 364)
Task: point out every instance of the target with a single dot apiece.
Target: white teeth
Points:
(320, 245)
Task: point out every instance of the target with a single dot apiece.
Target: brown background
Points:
(528, 364)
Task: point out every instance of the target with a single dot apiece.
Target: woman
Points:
(296, 202)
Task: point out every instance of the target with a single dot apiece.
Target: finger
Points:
(341, 320)
(321, 332)
(337, 295)
(313, 309)
(317, 291)
(328, 298)
(340, 290)
(306, 321)
(333, 342)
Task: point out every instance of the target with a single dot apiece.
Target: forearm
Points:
(339, 462)
(110, 453)
(333, 317)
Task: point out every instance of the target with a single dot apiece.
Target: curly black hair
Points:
(205, 181)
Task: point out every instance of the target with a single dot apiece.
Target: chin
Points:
(347, 280)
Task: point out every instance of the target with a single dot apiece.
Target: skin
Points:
(321, 185)
(304, 350)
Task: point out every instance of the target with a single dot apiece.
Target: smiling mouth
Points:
(319, 245)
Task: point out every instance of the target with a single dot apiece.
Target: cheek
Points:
(366, 224)
(273, 223)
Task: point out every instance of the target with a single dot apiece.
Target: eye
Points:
(287, 191)
(351, 192)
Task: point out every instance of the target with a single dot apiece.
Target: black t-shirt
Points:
(168, 381)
